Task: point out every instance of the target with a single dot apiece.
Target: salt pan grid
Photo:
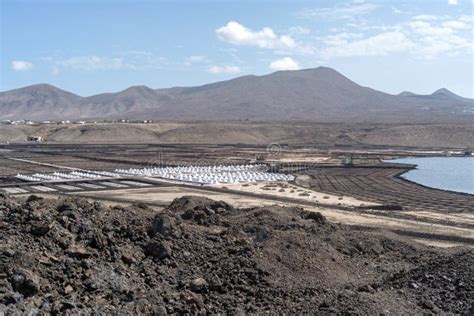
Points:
(60, 176)
(191, 174)
(68, 187)
(91, 186)
(42, 188)
(14, 190)
(210, 174)
(135, 183)
(114, 184)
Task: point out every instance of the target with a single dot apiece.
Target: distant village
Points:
(37, 138)
(63, 122)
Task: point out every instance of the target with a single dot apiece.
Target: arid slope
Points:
(420, 135)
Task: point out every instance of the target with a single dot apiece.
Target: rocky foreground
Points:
(200, 256)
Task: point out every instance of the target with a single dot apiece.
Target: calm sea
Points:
(447, 173)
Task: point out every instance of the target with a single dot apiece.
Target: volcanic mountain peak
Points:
(319, 94)
(139, 89)
(310, 73)
(41, 89)
(440, 95)
(406, 94)
(444, 91)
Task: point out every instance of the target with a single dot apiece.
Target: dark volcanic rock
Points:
(25, 282)
(67, 206)
(315, 216)
(34, 198)
(40, 228)
(187, 203)
(198, 285)
(199, 256)
(165, 225)
(201, 210)
(158, 249)
(442, 283)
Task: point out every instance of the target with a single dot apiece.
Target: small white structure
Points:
(210, 174)
(34, 138)
(189, 174)
(61, 176)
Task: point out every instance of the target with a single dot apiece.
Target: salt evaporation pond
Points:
(446, 173)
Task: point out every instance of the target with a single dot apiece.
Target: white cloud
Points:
(377, 45)
(133, 60)
(452, 2)
(437, 38)
(224, 69)
(339, 12)
(455, 24)
(425, 17)
(93, 63)
(55, 70)
(286, 63)
(142, 60)
(21, 65)
(421, 37)
(397, 11)
(467, 18)
(341, 38)
(299, 30)
(425, 28)
(235, 33)
(195, 59)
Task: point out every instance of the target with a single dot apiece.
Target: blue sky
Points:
(88, 47)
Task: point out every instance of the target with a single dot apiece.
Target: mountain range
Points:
(321, 94)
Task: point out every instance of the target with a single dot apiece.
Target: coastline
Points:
(413, 175)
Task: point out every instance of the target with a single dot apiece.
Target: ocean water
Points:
(447, 173)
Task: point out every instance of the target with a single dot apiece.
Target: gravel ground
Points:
(200, 256)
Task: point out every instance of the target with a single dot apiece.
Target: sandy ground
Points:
(293, 191)
(167, 194)
(440, 244)
(295, 158)
(455, 217)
